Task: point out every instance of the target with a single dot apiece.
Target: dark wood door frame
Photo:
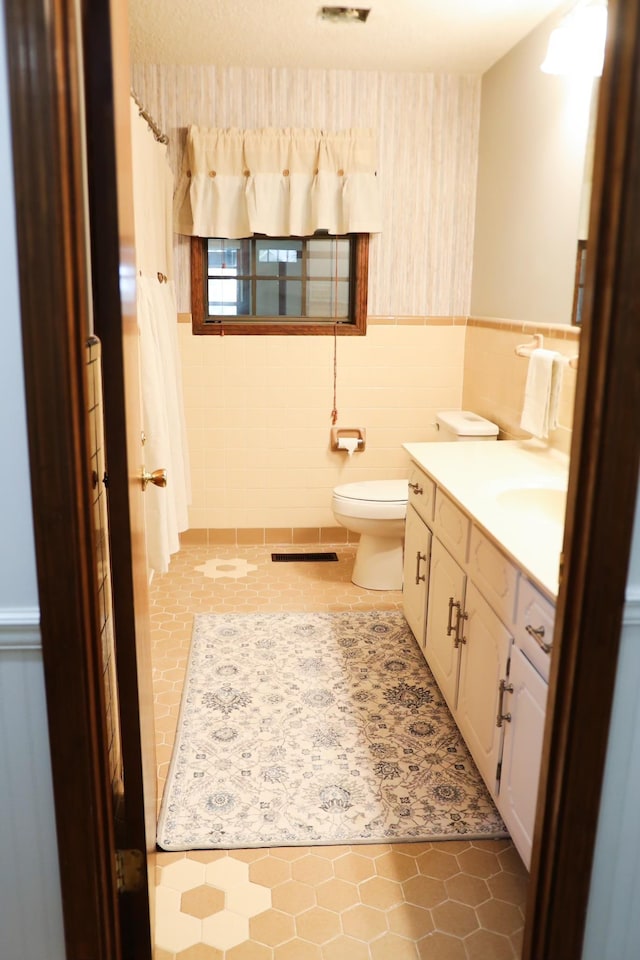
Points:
(45, 93)
(109, 177)
(603, 487)
(606, 451)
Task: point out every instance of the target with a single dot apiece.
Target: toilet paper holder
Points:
(348, 433)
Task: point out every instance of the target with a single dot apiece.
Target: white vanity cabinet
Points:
(485, 630)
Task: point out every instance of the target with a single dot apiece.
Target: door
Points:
(65, 177)
(52, 149)
(417, 553)
(446, 587)
(484, 659)
(113, 274)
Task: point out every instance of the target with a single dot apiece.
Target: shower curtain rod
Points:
(153, 126)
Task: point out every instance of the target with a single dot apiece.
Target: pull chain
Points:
(334, 412)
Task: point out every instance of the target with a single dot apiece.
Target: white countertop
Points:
(477, 473)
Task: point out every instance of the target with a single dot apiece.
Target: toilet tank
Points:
(464, 425)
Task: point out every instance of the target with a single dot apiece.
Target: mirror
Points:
(534, 173)
(585, 206)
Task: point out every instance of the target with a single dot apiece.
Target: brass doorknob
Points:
(158, 478)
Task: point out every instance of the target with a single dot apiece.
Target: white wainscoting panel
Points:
(613, 920)
(30, 901)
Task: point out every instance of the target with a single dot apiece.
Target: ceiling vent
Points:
(344, 14)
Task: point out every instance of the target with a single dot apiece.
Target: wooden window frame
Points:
(275, 326)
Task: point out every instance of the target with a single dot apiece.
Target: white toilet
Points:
(464, 425)
(376, 509)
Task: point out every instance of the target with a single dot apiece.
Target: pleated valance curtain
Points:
(237, 183)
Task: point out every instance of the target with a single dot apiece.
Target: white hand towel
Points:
(557, 370)
(542, 393)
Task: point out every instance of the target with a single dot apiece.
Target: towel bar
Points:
(525, 350)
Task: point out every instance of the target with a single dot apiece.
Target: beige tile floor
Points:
(453, 900)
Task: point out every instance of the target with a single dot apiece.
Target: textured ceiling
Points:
(452, 36)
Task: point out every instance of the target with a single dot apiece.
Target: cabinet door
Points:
(417, 553)
(483, 664)
(446, 580)
(522, 752)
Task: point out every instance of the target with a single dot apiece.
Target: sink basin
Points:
(546, 503)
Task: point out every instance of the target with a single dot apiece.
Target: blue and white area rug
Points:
(316, 728)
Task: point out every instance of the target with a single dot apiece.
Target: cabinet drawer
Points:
(494, 574)
(421, 493)
(452, 526)
(534, 626)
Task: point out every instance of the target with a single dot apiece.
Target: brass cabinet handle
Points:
(538, 633)
(419, 557)
(452, 604)
(417, 489)
(503, 687)
(158, 478)
(460, 617)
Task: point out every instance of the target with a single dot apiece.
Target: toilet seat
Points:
(372, 499)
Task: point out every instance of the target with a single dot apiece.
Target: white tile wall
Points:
(259, 416)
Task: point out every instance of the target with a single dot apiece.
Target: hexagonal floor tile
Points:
(318, 925)
(225, 930)
(272, 928)
(174, 930)
(202, 901)
(183, 875)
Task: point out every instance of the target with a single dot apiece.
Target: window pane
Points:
(228, 257)
(328, 257)
(321, 299)
(279, 258)
(228, 297)
(278, 298)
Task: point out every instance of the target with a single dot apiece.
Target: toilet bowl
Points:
(376, 509)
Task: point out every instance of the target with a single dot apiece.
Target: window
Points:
(276, 285)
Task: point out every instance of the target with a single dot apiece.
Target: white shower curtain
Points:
(160, 375)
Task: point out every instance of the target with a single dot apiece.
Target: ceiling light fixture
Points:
(576, 46)
(344, 14)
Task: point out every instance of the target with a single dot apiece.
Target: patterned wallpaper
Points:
(427, 125)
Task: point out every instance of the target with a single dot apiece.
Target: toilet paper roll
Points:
(348, 443)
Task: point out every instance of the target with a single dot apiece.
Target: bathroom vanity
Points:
(483, 539)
